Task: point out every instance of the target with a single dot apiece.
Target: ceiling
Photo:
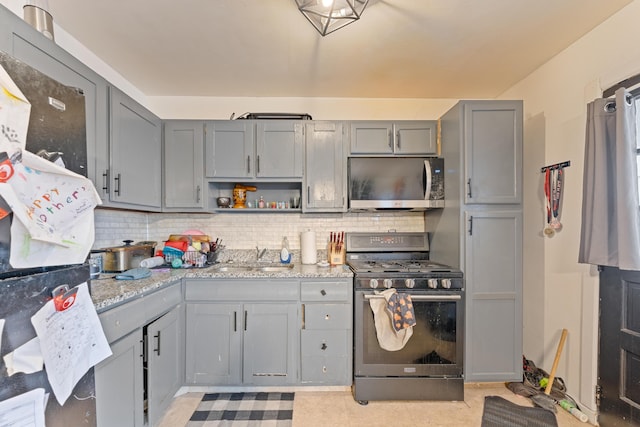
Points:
(267, 48)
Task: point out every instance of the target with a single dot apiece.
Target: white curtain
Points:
(610, 234)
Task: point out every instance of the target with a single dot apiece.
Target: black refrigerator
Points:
(57, 131)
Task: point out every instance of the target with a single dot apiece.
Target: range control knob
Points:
(432, 283)
(387, 283)
(409, 283)
(373, 283)
(446, 283)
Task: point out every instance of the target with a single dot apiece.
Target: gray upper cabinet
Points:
(135, 138)
(23, 42)
(250, 150)
(229, 149)
(493, 152)
(325, 178)
(409, 137)
(183, 165)
(279, 149)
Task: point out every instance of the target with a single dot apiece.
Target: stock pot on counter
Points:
(122, 258)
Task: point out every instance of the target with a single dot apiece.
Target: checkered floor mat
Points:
(244, 410)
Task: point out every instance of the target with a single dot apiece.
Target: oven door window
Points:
(434, 348)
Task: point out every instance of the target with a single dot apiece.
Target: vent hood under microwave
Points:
(401, 183)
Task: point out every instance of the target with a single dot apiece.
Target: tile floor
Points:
(337, 408)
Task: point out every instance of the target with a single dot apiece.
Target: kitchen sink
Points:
(275, 267)
(232, 268)
(238, 268)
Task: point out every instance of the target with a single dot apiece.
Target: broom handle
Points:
(552, 375)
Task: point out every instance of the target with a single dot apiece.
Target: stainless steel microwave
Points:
(410, 183)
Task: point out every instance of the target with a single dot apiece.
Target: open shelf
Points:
(271, 192)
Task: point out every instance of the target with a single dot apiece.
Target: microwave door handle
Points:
(426, 179)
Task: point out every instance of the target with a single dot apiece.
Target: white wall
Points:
(555, 98)
(319, 108)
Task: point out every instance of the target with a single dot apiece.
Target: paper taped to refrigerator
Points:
(53, 207)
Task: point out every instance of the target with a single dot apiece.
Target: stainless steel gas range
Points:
(429, 364)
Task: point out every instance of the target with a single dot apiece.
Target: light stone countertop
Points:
(108, 292)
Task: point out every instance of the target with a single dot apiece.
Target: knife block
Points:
(336, 254)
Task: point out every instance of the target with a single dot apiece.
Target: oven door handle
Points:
(422, 297)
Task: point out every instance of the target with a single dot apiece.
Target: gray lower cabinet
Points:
(326, 335)
(183, 165)
(119, 384)
(406, 137)
(241, 332)
(214, 343)
(135, 385)
(270, 354)
(135, 141)
(163, 340)
(325, 177)
(493, 330)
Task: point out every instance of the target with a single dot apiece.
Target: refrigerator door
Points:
(21, 298)
(57, 125)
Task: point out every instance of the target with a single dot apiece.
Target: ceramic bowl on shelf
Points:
(223, 202)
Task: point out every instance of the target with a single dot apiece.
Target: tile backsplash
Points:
(245, 231)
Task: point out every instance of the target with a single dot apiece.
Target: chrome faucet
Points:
(260, 254)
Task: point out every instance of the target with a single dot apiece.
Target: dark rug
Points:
(244, 410)
(499, 412)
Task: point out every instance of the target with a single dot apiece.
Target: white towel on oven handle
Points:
(388, 338)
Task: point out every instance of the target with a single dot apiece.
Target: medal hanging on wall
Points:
(553, 181)
(548, 230)
(556, 196)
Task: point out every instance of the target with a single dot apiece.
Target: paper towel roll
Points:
(308, 251)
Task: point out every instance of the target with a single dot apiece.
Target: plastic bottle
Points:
(285, 255)
(571, 408)
(261, 202)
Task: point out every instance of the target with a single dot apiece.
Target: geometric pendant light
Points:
(329, 15)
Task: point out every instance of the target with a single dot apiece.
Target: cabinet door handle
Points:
(303, 317)
(248, 164)
(157, 349)
(235, 321)
(470, 225)
(323, 292)
(323, 346)
(469, 187)
(118, 182)
(308, 192)
(391, 140)
(257, 164)
(198, 194)
(398, 140)
(245, 320)
(105, 181)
